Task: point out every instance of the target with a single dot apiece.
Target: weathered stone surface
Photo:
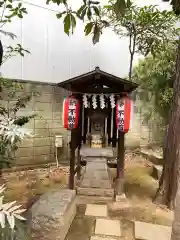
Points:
(102, 238)
(148, 231)
(95, 183)
(108, 227)
(157, 171)
(53, 214)
(121, 198)
(96, 192)
(96, 210)
(96, 152)
(96, 180)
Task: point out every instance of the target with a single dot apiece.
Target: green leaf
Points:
(88, 28)
(79, 11)
(89, 13)
(20, 15)
(105, 23)
(96, 10)
(73, 23)
(59, 15)
(94, 2)
(97, 33)
(129, 3)
(83, 13)
(108, 7)
(67, 23)
(120, 7)
(8, 6)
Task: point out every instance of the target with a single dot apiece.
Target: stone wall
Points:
(140, 135)
(48, 123)
(47, 106)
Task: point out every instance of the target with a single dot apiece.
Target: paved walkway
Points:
(96, 180)
(105, 228)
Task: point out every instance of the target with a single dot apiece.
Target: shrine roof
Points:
(98, 81)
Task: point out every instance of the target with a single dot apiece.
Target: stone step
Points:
(95, 192)
(99, 175)
(96, 183)
(80, 199)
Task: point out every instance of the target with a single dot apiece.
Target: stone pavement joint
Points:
(96, 210)
(108, 227)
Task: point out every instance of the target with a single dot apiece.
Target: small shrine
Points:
(98, 112)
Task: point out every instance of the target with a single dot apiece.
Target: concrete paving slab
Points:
(148, 231)
(96, 210)
(108, 227)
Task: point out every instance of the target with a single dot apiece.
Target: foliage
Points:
(12, 123)
(155, 74)
(8, 11)
(89, 11)
(10, 220)
(147, 28)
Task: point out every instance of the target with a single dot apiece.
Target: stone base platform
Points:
(52, 214)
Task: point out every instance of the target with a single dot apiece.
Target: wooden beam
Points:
(72, 165)
(79, 164)
(120, 164)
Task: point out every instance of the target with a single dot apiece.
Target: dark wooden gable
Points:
(98, 81)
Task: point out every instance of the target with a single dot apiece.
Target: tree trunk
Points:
(131, 66)
(176, 223)
(168, 183)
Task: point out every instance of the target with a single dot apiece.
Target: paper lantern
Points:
(70, 113)
(124, 114)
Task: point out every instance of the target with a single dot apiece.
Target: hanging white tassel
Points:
(85, 101)
(102, 101)
(94, 101)
(112, 100)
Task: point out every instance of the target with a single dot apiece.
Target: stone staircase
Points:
(96, 180)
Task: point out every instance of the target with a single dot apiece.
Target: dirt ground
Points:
(140, 189)
(25, 186)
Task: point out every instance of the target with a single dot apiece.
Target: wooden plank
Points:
(72, 165)
(79, 164)
(120, 164)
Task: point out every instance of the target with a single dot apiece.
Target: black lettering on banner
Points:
(71, 114)
(121, 116)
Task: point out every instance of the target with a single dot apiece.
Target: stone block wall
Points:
(47, 123)
(140, 134)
